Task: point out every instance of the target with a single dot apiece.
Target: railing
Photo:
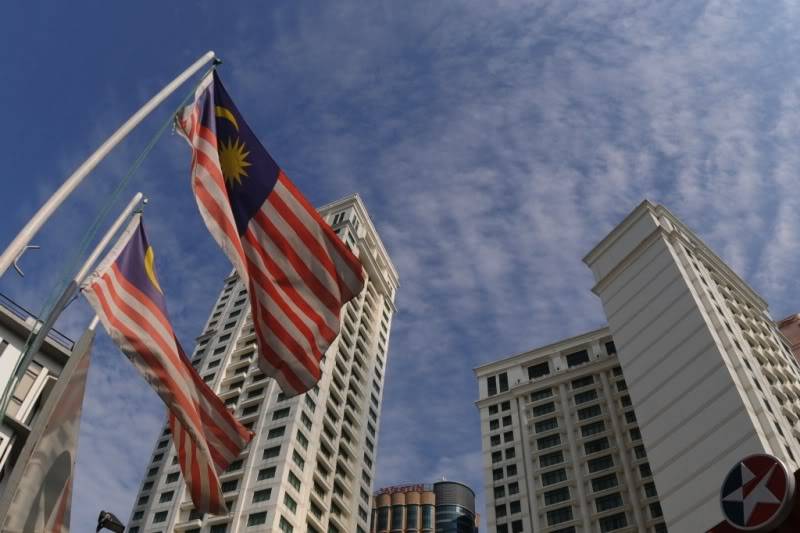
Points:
(23, 314)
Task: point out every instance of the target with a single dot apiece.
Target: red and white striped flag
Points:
(125, 293)
(297, 271)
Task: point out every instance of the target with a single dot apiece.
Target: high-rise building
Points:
(790, 327)
(311, 463)
(710, 376)
(444, 507)
(697, 377)
(33, 387)
(561, 444)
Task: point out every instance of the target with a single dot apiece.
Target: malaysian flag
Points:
(297, 271)
(125, 293)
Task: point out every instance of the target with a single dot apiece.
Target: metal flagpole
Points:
(35, 223)
(66, 297)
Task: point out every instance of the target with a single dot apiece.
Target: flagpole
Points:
(37, 221)
(66, 297)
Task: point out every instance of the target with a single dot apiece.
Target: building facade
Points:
(790, 327)
(310, 466)
(561, 443)
(444, 507)
(709, 374)
(39, 379)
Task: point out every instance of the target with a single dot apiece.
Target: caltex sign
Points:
(757, 495)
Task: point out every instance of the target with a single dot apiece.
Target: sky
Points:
(493, 142)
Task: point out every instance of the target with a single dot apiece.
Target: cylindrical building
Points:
(444, 507)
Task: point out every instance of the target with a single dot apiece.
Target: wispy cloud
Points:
(494, 143)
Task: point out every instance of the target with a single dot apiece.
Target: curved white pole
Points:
(34, 224)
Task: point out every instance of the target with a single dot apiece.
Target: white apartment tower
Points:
(710, 376)
(311, 464)
(561, 444)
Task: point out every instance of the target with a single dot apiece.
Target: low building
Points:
(15, 325)
(443, 507)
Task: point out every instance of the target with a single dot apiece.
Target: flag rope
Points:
(89, 235)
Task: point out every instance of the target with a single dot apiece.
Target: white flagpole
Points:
(37, 221)
(66, 297)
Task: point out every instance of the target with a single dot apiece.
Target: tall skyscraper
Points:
(608, 430)
(710, 376)
(444, 507)
(311, 464)
(561, 444)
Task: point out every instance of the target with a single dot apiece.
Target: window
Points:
(499, 492)
(294, 481)
(503, 380)
(166, 496)
(610, 523)
(510, 453)
(655, 510)
(397, 516)
(266, 473)
(625, 401)
(541, 394)
(412, 518)
(556, 476)
(137, 516)
(500, 510)
(511, 470)
(302, 439)
(582, 382)
(152, 472)
(537, 371)
(495, 440)
(577, 358)
(557, 516)
(594, 446)
(650, 490)
(298, 459)
(274, 433)
(516, 526)
(427, 516)
(497, 474)
(611, 349)
(256, 519)
(622, 386)
(589, 412)
(234, 466)
(491, 383)
(604, 482)
(507, 420)
(162, 444)
(290, 503)
(635, 434)
(508, 436)
(601, 463)
(261, 495)
(611, 501)
(281, 413)
(230, 486)
(546, 425)
(269, 453)
(630, 417)
(548, 442)
(544, 409)
(593, 428)
(514, 507)
(493, 409)
(160, 516)
(617, 369)
(556, 496)
(142, 500)
(285, 526)
(497, 457)
(586, 396)
(505, 406)
(644, 470)
(383, 518)
(147, 486)
(550, 459)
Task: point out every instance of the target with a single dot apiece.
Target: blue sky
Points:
(494, 144)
